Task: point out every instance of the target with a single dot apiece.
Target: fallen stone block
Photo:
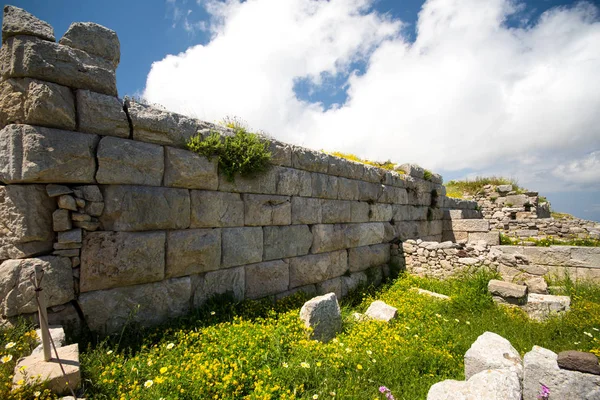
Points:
(507, 292)
(492, 351)
(323, 315)
(380, 311)
(541, 306)
(578, 361)
(491, 384)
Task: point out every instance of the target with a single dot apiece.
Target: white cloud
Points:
(468, 93)
(584, 171)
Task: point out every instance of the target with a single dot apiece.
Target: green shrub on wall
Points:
(243, 153)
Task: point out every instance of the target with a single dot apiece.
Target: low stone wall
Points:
(126, 223)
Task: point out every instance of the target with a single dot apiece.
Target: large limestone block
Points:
(541, 368)
(161, 127)
(293, 182)
(409, 213)
(330, 237)
(34, 154)
(216, 209)
(345, 168)
(368, 191)
(93, 39)
(324, 186)
(582, 257)
(241, 246)
(145, 208)
(315, 268)
(353, 282)
(17, 21)
(193, 251)
(359, 211)
(373, 174)
(26, 213)
(541, 306)
(17, 295)
(393, 195)
(555, 255)
(361, 258)
(492, 351)
(348, 189)
(336, 211)
(115, 259)
(507, 291)
(516, 200)
(281, 153)
(413, 170)
(260, 210)
(229, 282)
(470, 225)
(306, 210)
(186, 169)
(380, 212)
(101, 114)
(380, 311)
(26, 56)
(492, 384)
(59, 377)
(267, 278)
(127, 162)
(491, 238)
(29, 101)
(286, 241)
(107, 311)
(323, 316)
(310, 160)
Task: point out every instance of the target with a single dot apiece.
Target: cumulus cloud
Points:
(469, 92)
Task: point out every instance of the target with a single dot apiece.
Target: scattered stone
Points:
(431, 294)
(72, 236)
(17, 21)
(496, 384)
(67, 202)
(541, 306)
(578, 361)
(57, 334)
(507, 292)
(492, 351)
(322, 314)
(380, 311)
(34, 366)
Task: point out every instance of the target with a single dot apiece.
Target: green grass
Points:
(255, 350)
(549, 241)
(387, 165)
(458, 189)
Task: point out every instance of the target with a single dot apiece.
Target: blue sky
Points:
(463, 87)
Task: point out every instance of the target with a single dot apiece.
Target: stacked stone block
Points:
(105, 196)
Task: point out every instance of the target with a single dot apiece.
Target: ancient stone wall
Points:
(127, 223)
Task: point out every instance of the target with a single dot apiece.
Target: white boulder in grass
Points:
(380, 311)
(492, 351)
(496, 384)
(322, 314)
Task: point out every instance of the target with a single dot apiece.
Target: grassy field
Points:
(255, 350)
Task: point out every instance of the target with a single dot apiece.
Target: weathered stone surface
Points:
(65, 246)
(61, 221)
(161, 127)
(492, 351)
(541, 367)
(79, 217)
(373, 174)
(59, 376)
(17, 294)
(93, 39)
(17, 21)
(380, 311)
(336, 211)
(281, 153)
(54, 190)
(26, 212)
(394, 195)
(89, 192)
(241, 246)
(322, 314)
(541, 306)
(145, 208)
(324, 186)
(510, 292)
(345, 168)
(368, 191)
(87, 225)
(72, 236)
(115, 259)
(267, 278)
(263, 183)
(413, 170)
(315, 268)
(57, 333)
(9, 249)
(330, 237)
(470, 225)
(25, 155)
(554, 255)
(286, 241)
(309, 291)
(578, 361)
(189, 170)
(536, 284)
(330, 286)
(310, 160)
(80, 203)
(293, 182)
(431, 294)
(260, 210)
(193, 251)
(94, 208)
(494, 384)
(216, 209)
(380, 212)
(584, 257)
(348, 189)
(306, 210)
(127, 162)
(491, 238)
(353, 282)
(516, 200)
(101, 114)
(359, 211)
(361, 258)
(26, 56)
(229, 281)
(107, 311)
(67, 202)
(29, 101)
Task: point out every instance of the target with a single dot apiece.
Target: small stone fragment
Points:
(94, 208)
(380, 311)
(79, 217)
(61, 221)
(67, 202)
(72, 236)
(57, 190)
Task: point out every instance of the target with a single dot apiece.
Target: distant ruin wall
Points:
(103, 195)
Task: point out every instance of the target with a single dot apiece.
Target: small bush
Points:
(428, 175)
(243, 153)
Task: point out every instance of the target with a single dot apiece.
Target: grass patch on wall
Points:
(548, 241)
(387, 165)
(257, 350)
(458, 189)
